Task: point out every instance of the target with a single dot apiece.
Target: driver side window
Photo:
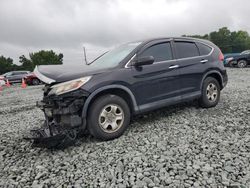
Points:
(160, 52)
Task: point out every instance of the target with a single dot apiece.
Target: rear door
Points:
(193, 58)
(159, 81)
(21, 75)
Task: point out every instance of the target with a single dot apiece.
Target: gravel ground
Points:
(179, 146)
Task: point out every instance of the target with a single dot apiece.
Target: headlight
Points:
(66, 87)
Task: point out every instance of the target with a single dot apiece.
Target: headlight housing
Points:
(66, 87)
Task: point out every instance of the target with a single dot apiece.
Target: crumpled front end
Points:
(63, 119)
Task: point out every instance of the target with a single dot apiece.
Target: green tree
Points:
(223, 39)
(37, 58)
(6, 64)
(227, 41)
(40, 58)
(240, 41)
(26, 63)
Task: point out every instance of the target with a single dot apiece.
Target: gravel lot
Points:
(179, 146)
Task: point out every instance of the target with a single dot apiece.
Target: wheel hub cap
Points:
(212, 92)
(111, 118)
(242, 64)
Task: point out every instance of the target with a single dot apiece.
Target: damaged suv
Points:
(131, 79)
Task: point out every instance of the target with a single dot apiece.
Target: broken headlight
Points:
(66, 87)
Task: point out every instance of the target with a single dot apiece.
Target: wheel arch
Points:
(243, 58)
(215, 74)
(118, 90)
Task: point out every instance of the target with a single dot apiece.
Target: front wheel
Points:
(210, 93)
(108, 117)
(241, 64)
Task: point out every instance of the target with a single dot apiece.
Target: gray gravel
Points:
(180, 146)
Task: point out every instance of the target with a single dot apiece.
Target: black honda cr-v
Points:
(132, 79)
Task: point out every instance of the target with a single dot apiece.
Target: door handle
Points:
(173, 67)
(204, 61)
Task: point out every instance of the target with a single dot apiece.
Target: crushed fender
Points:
(63, 120)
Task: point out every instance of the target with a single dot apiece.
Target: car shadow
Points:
(140, 120)
(137, 121)
(165, 111)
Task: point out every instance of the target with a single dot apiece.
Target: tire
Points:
(210, 93)
(108, 117)
(242, 63)
(35, 82)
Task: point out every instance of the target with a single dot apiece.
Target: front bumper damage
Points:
(63, 120)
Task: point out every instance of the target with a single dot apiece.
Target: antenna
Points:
(85, 56)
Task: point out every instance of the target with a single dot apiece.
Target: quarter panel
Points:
(191, 73)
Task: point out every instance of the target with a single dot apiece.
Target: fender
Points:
(212, 72)
(93, 94)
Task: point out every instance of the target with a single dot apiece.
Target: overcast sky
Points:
(66, 25)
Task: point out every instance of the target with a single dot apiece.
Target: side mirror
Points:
(148, 60)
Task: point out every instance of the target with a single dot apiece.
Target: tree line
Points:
(228, 41)
(42, 57)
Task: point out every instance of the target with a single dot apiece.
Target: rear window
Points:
(23, 72)
(186, 49)
(204, 49)
(18, 73)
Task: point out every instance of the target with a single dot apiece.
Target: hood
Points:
(62, 73)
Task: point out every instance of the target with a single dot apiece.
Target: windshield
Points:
(246, 52)
(7, 74)
(115, 56)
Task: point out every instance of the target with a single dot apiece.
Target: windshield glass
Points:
(7, 74)
(115, 56)
(246, 52)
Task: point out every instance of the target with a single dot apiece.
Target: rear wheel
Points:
(242, 64)
(210, 93)
(108, 117)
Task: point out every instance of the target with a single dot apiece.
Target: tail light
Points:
(221, 57)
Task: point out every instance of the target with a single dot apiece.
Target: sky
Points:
(65, 26)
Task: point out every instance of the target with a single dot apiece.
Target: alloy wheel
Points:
(242, 64)
(212, 92)
(111, 118)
